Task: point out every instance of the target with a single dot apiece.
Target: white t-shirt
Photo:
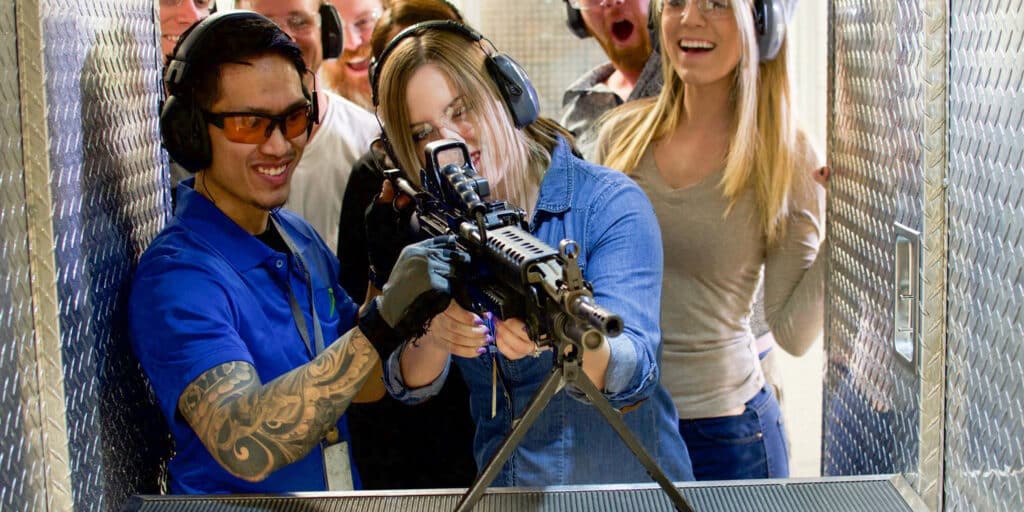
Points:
(318, 185)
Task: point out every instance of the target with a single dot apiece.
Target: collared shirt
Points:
(588, 98)
(206, 293)
(620, 254)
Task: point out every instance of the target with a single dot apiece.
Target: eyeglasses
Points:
(455, 118)
(708, 8)
(298, 23)
(256, 128)
(588, 4)
(363, 25)
(199, 4)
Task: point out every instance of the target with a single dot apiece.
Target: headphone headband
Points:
(377, 62)
(178, 67)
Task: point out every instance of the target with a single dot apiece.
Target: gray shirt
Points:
(713, 263)
(588, 98)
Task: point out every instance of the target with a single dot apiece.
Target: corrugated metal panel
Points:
(985, 454)
(109, 199)
(871, 402)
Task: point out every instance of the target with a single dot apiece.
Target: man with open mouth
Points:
(633, 70)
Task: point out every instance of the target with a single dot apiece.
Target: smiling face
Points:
(246, 181)
(300, 19)
(174, 19)
(621, 30)
(358, 18)
(704, 48)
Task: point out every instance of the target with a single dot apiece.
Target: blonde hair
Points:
(523, 156)
(764, 149)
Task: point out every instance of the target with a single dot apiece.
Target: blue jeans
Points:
(750, 445)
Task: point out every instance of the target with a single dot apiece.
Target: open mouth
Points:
(696, 46)
(623, 30)
(358, 65)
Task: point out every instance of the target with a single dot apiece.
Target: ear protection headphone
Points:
(574, 20)
(516, 90)
(770, 18)
(332, 36)
(183, 129)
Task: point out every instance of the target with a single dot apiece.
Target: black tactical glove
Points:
(418, 290)
(387, 233)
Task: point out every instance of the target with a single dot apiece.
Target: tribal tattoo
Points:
(253, 429)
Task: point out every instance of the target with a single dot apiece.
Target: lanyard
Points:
(300, 319)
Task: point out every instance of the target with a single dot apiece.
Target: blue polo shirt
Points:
(206, 293)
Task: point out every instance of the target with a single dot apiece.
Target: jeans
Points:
(750, 445)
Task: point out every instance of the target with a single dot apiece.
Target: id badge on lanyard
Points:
(337, 465)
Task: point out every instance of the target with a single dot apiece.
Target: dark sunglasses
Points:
(256, 128)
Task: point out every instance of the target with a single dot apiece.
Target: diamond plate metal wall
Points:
(20, 482)
(877, 118)
(984, 447)
(35, 459)
(110, 198)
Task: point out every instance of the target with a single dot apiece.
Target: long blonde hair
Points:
(763, 152)
(524, 155)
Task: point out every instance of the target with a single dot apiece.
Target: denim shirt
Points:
(571, 443)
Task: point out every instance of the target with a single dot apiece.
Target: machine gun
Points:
(513, 274)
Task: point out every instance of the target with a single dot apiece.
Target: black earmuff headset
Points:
(517, 92)
(183, 129)
(574, 20)
(332, 35)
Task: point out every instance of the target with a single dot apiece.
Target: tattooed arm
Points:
(253, 429)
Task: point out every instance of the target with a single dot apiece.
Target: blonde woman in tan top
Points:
(729, 174)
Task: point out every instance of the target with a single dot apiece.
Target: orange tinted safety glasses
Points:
(256, 128)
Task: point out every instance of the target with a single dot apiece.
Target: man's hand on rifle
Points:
(387, 232)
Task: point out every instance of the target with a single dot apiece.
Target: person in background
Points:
(347, 75)
(394, 445)
(633, 69)
(252, 349)
(434, 84)
(623, 30)
(344, 131)
(730, 174)
(176, 16)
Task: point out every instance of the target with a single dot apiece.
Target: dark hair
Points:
(231, 42)
(406, 13)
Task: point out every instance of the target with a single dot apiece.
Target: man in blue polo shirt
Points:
(253, 349)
